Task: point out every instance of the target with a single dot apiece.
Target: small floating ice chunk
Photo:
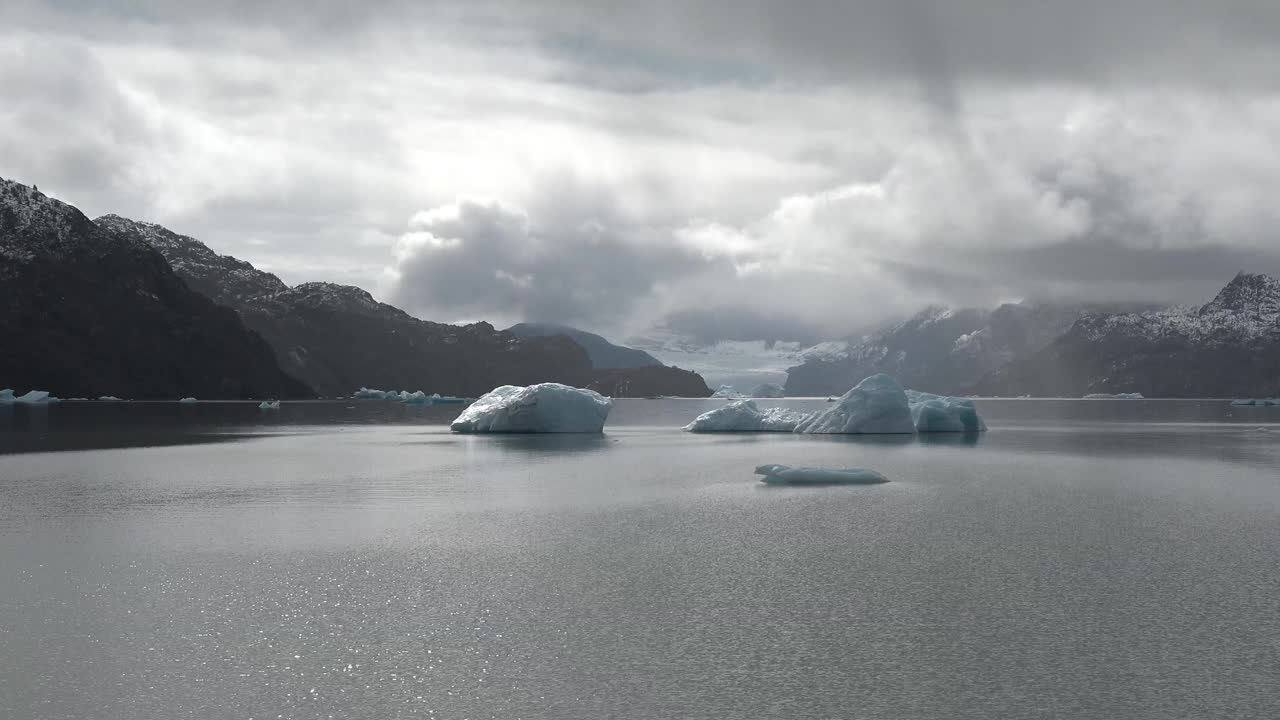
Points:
(939, 413)
(877, 405)
(1114, 396)
(726, 391)
(416, 398)
(542, 408)
(768, 390)
(365, 393)
(269, 405)
(787, 475)
(187, 400)
(6, 395)
(109, 398)
(746, 416)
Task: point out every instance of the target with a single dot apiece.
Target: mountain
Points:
(650, 381)
(604, 354)
(88, 313)
(741, 363)
(1229, 347)
(939, 349)
(339, 338)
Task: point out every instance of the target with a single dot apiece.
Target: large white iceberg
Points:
(33, 397)
(877, 405)
(787, 475)
(768, 390)
(939, 413)
(746, 416)
(542, 408)
(726, 391)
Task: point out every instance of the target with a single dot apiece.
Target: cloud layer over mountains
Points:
(808, 165)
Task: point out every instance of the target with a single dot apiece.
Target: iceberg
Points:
(187, 400)
(415, 398)
(109, 398)
(269, 405)
(1260, 402)
(726, 391)
(877, 405)
(34, 397)
(939, 413)
(768, 390)
(365, 393)
(542, 408)
(438, 399)
(746, 416)
(1115, 396)
(787, 475)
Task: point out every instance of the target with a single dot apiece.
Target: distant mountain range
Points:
(1229, 347)
(604, 355)
(87, 312)
(337, 338)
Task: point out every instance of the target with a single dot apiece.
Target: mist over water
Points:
(1081, 559)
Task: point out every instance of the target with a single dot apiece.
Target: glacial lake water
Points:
(1083, 559)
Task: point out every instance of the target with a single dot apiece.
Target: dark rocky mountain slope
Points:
(604, 354)
(85, 312)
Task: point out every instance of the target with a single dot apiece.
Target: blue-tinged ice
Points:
(187, 400)
(34, 397)
(542, 408)
(939, 413)
(767, 390)
(877, 405)
(746, 416)
(726, 391)
(787, 475)
(269, 405)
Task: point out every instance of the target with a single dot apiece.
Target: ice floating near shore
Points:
(939, 413)
(34, 397)
(767, 390)
(542, 408)
(877, 405)
(745, 416)
(787, 475)
(269, 405)
(1114, 396)
(1257, 402)
(726, 391)
(188, 400)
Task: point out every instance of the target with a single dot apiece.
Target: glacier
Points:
(877, 405)
(939, 413)
(745, 416)
(541, 408)
(787, 475)
(767, 390)
(726, 391)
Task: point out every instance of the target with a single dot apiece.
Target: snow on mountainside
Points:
(88, 312)
(1228, 347)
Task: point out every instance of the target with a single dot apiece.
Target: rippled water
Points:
(1084, 559)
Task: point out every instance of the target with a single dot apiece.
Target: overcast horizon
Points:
(809, 169)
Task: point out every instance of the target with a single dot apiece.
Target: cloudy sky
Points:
(807, 167)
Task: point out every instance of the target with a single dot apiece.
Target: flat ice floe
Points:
(746, 416)
(787, 475)
(939, 413)
(542, 408)
(877, 405)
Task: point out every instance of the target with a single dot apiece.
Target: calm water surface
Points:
(1084, 559)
